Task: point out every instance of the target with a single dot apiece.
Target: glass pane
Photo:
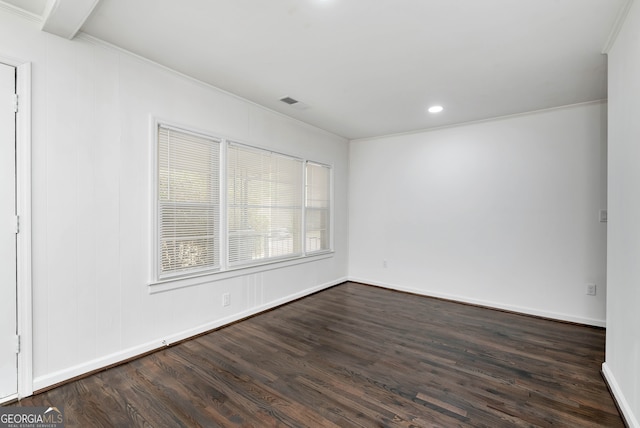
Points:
(264, 205)
(188, 201)
(317, 204)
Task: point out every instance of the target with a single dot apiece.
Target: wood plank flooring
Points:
(358, 356)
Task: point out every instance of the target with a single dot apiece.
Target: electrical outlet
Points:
(226, 299)
(591, 289)
(384, 264)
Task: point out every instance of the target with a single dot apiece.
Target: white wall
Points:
(622, 366)
(91, 182)
(502, 213)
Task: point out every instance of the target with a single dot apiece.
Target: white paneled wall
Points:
(502, 213)
(91, 170)
(622, 366)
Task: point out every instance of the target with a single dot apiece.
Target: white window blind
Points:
(317, 207)
(188, 202)
(264, 200)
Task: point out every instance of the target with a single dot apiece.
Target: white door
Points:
(8, 261)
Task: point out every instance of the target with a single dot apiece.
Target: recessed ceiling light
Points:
(435, 109)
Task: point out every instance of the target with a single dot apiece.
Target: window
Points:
(317, 207)
(264, 203)
(222, 205)
(188, 199)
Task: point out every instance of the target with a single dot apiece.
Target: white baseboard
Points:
(489, 304)
(8, 398)
(54, 378)
(59, 376)
(623, 404)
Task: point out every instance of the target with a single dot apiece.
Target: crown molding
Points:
(617, 26)
(486, 120)
(14, 10)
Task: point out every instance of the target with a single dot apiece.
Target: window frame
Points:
(329, 209)
(224, 270)
(300, 207)
(156, 212)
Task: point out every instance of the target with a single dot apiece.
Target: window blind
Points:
(317, 207)
(264, 201)
(188, 202)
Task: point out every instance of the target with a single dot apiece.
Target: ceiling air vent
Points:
(289, 100)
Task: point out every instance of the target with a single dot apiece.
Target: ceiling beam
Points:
(65, 17)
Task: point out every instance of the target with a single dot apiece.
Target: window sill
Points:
(198, 279)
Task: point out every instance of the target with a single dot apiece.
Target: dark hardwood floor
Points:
(356, 355)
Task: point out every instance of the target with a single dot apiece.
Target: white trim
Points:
(479, 121)
(117, 357)
(155, 273)
(182, 282)
(332, 218)
(152, 251)
(21, 13)
(259, 148)
(224, 212)
(23, 163)
(621, 401)
(486, 303)
(8, 398)
(23, 206)
(156, 120)
(330, 249)
(617, 26)
(96, 41)
(303, 215)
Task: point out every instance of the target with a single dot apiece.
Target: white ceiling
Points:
(371, 67)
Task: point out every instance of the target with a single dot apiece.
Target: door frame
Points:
(23, 210)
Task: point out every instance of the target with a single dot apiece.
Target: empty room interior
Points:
(320, 212)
